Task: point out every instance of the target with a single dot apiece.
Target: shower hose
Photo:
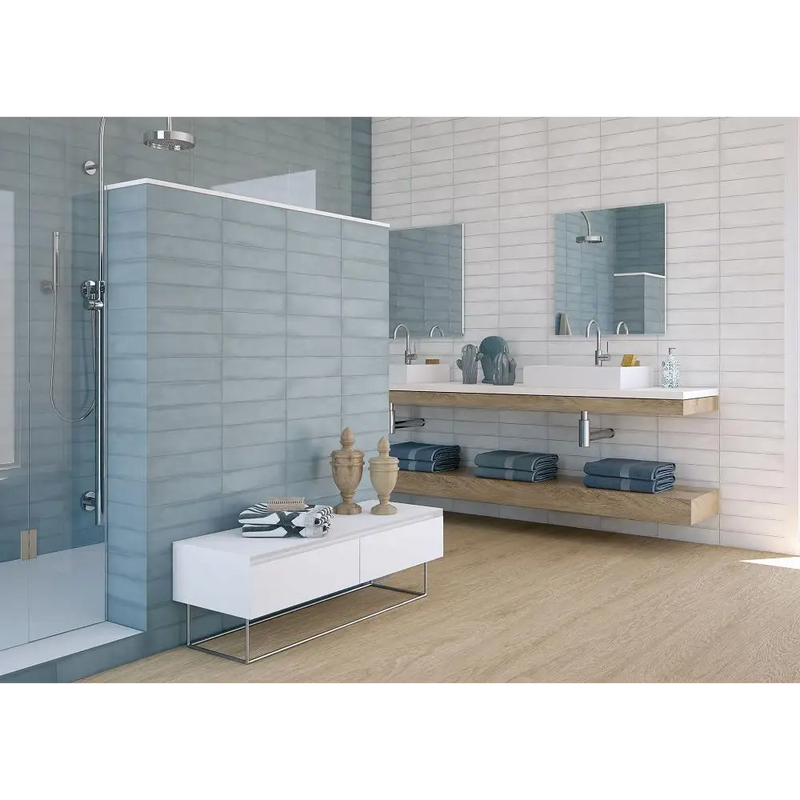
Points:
(92, 313)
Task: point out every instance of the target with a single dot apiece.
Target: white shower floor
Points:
(52, 594)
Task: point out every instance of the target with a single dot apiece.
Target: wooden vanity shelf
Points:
(640, 406)
(682, 505)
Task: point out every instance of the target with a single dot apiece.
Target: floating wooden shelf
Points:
(682, 505)
(640, 406)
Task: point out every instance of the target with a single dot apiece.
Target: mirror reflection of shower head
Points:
(169, 139)
(589, 238)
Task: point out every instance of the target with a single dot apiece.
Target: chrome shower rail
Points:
(102, 351)
(93, 292)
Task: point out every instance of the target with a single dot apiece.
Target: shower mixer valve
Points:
(93, 293)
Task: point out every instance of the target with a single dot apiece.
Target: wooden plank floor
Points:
(515, 601)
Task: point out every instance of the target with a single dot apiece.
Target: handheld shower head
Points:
(589, 237)
(169, 139)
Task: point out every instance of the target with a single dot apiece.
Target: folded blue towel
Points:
(442, 465)
(545, 474)
(418, 451)
(628, 485)
(630, 468)
(515, 459)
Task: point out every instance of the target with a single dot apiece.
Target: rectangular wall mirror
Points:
(610, 265)
(426, 280)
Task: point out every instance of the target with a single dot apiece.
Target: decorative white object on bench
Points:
(258, 579)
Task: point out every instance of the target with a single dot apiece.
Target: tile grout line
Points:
(659, 338)
(550, 270)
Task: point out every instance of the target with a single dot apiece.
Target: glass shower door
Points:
(67, 575)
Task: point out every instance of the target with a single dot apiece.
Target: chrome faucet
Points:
(435, 328)
(622, 324)
(599, 355)
(409, 356)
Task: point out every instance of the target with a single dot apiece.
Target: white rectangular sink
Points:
(589, 377)
(418, 373)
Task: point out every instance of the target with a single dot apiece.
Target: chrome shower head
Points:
(169, 139)
(589, 237)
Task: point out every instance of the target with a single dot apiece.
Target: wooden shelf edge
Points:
(648, 407)
(683, 505)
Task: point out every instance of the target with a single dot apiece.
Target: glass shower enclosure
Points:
(53, 554)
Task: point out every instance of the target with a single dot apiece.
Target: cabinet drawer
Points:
(285, 582)
(401, 548)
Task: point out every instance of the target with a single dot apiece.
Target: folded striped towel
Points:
(628, 484)
(442, 465)
(630, 468)
(311, 522)
(418, 451)
(536, 476)
(515, 459)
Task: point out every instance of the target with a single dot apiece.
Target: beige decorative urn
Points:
(347, 466)
(383, 471)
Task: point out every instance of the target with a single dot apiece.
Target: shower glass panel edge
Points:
(14, 378)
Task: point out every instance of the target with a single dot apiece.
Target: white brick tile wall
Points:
(723, 181)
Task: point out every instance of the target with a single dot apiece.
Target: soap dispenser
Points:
(670, 371)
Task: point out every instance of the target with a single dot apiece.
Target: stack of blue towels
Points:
(419, 457)
(516, 465)
(629, 475)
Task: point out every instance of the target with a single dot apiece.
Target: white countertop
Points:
(653, 393)
(355, 526)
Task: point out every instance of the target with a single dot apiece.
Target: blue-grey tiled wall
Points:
(40, 163)
(640, 300)
(641, 239)
(242, 338)
(361, 167)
